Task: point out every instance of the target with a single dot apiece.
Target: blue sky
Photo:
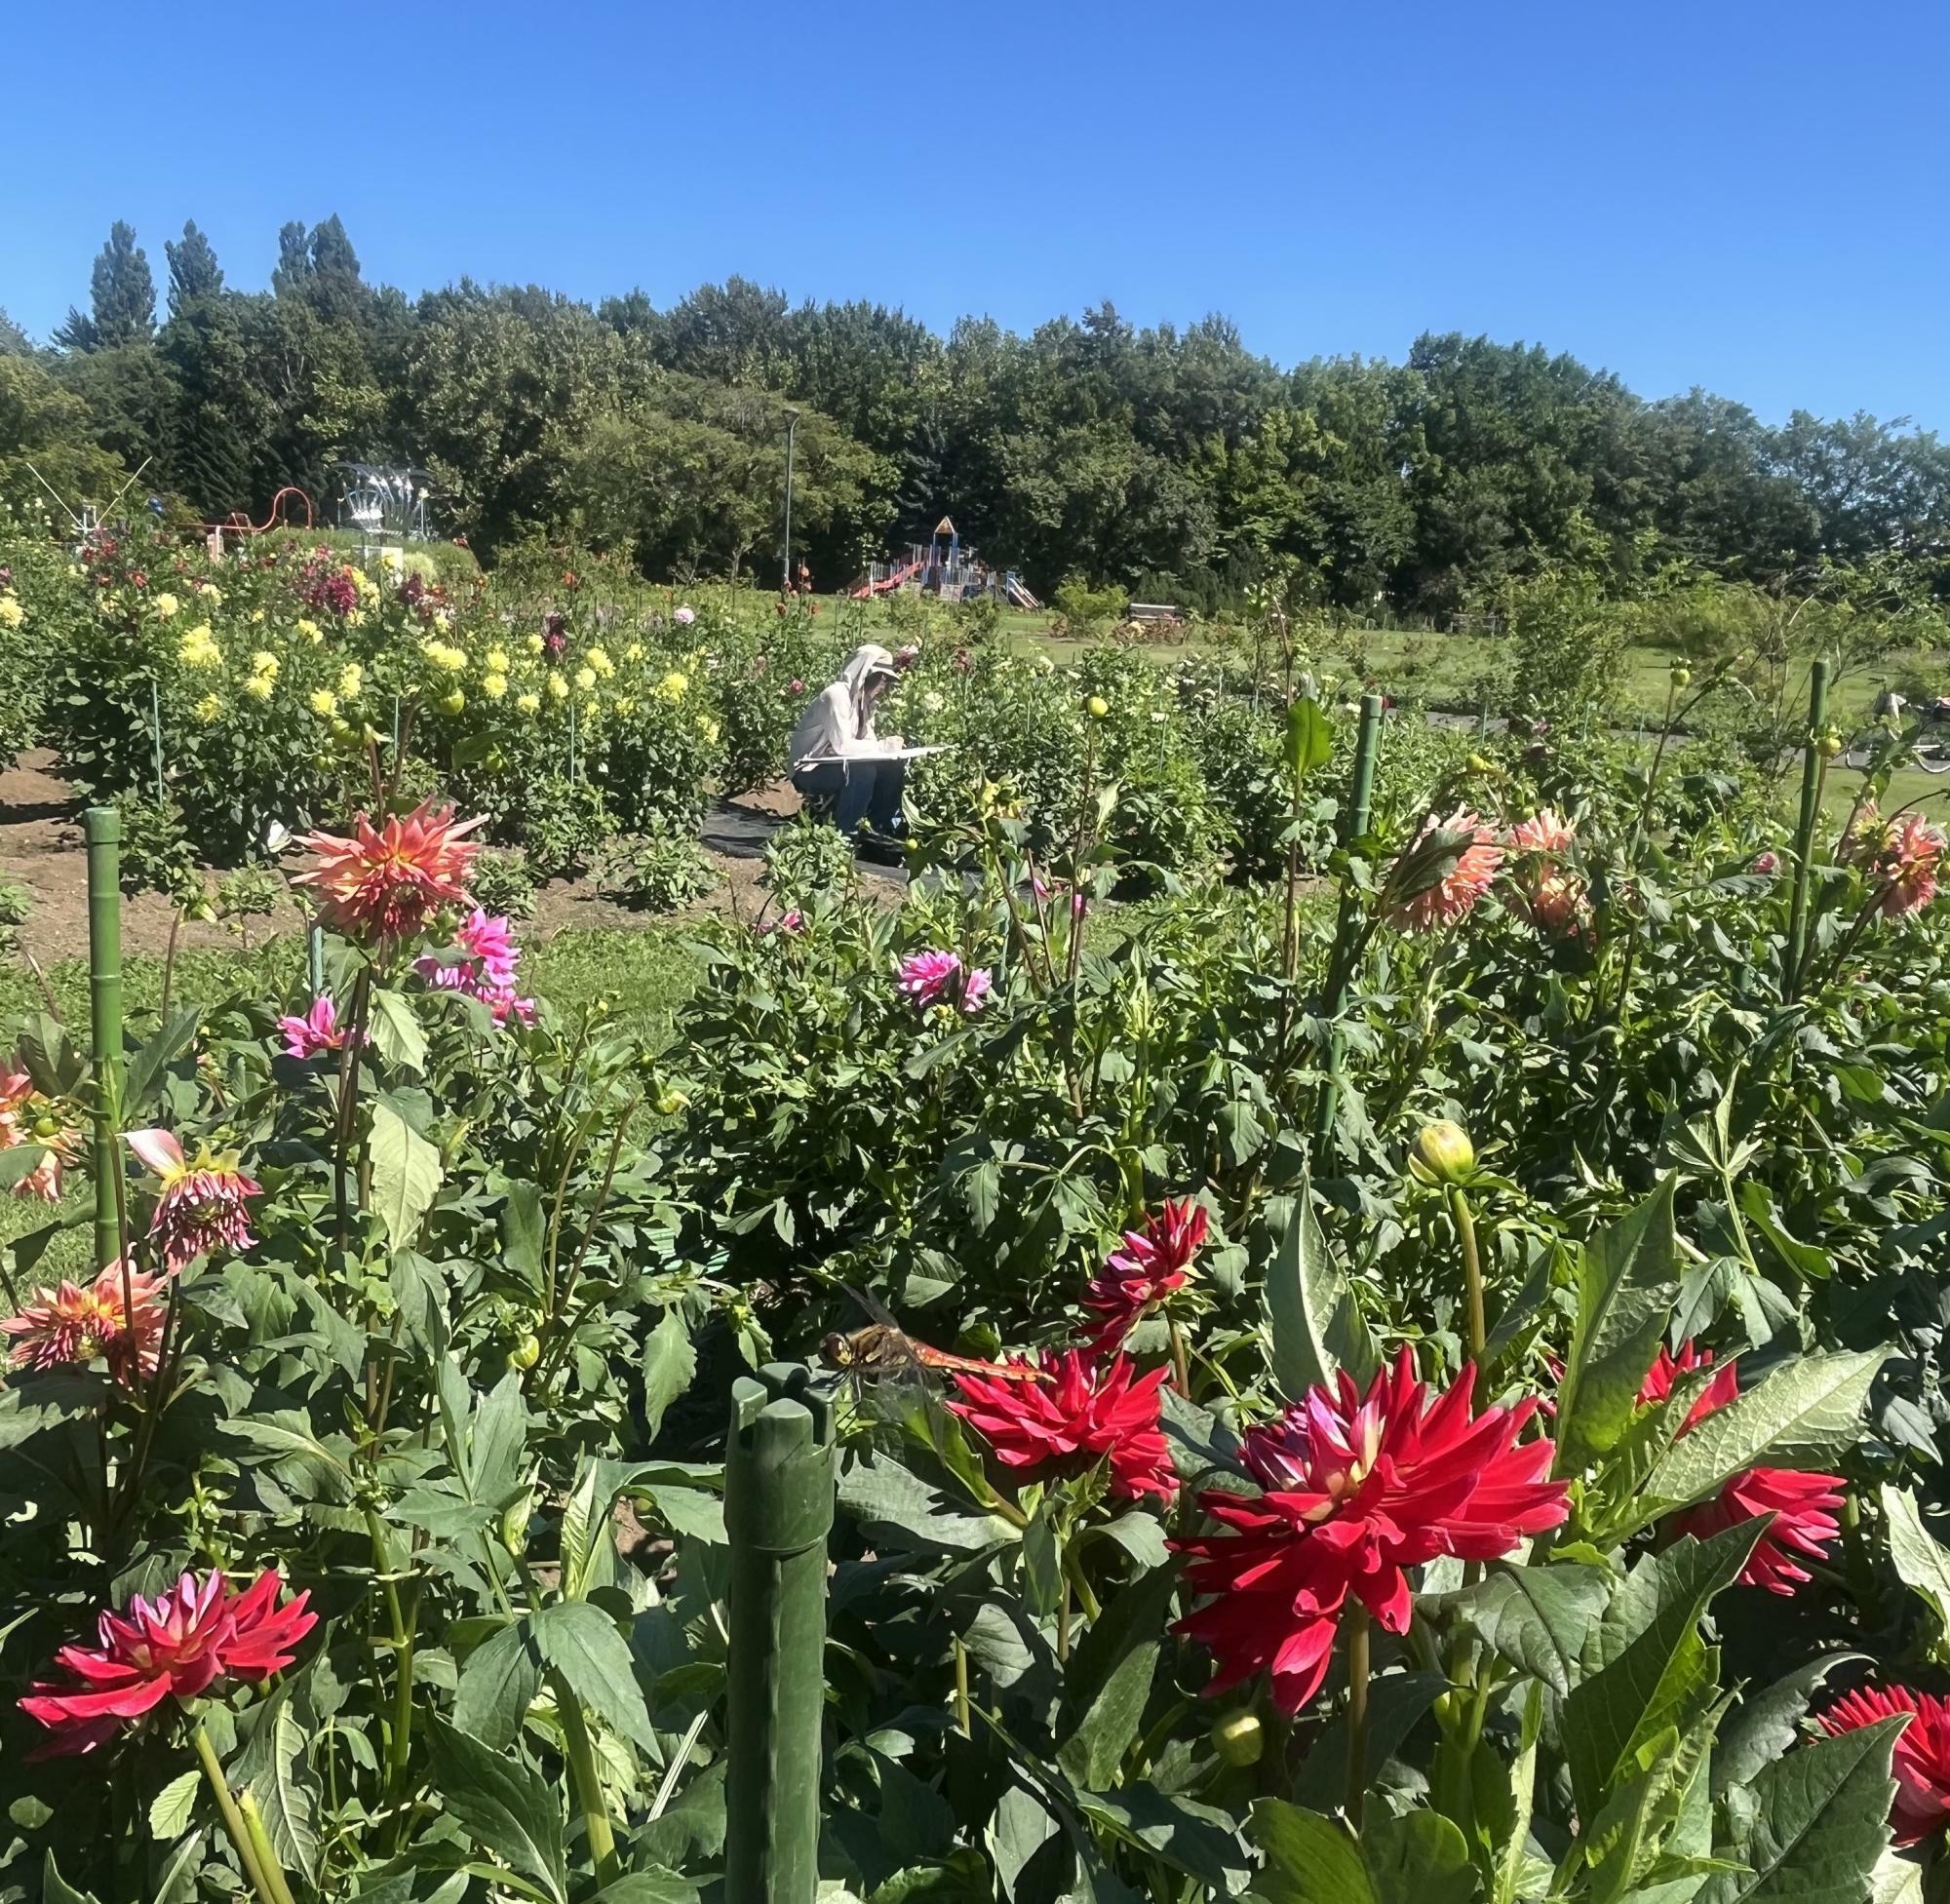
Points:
(1746, 196)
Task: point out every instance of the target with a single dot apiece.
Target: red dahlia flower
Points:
(175, 1647)
(1802, 1506)
(1086, 1412)
(386, 884)
(1357, 1490)
(1922, 1759)
(1152, 1264)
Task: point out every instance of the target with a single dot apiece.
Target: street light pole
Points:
(786, 561)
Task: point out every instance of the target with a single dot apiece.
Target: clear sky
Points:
(1744, 194)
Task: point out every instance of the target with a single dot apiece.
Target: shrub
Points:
(1084, 612)
(661, 871)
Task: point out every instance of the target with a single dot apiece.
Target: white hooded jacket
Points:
(838, 724)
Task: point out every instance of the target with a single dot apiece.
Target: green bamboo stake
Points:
(101, 828)
(779, 1474)
(1811, 813)
(1340, 976)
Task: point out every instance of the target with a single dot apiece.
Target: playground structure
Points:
(948, 569)
(237, 524)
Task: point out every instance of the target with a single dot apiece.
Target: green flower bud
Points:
(1443, 1154)
(1682, 677)
(1240, 1738)
(1098, 706)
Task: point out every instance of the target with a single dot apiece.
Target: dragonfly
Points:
(883, 1348)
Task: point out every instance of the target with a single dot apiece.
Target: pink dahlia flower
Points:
(120, 1320)
(934, 978)
(316, 1032)
(1455, 895)
(200, 1207)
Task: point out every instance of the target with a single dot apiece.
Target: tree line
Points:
(1172, 461)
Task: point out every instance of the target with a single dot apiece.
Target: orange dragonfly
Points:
(883, 1348)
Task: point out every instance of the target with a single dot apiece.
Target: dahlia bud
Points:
(515, 1527)
(1240, 1738)
(453, 703)
(670, 1103)
(526, 1354)
(1444, 1153)
(1098, 706)
(1830, 746)
(1682, 677)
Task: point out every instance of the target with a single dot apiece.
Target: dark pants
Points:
(864, 788)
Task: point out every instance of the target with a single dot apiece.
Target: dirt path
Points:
(41, 848)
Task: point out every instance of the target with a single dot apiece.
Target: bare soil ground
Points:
(41, 850)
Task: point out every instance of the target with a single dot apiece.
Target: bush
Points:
(1083, 613)
(563, 825)
(503, 883)
(661, 871)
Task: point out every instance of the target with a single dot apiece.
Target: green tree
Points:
(122, 297)
(194, 272)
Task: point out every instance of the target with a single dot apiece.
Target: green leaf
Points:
(1764, 1724)
(1309, 738)
(276, 1769)
(1646, 1667)
(580, 1642)
(1805, 1412)
(1417, 1858)
(396, 1031)
(1626, 1293)
(1309, 1859)
(503, 1803)
(170, 1810)
(656, 1886)
(147, 1067)
(1817, 1823)
(56, 1889)
(1537, 1617)
(1110, 1681)
(523, 1232)
(405, 1175)
(1317, 1328)
(1396, 1703)
(881, 1493)
(1921, 1561)
(497, 1686)
(669, 1366)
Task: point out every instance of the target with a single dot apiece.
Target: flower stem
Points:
(260, 1839)
(1357, 1710)
(1180, 1367)
(233, 1820)
(961, 1718)
(1473, 1270)
(588, 1783)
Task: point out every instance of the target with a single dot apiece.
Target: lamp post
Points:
(786, 561)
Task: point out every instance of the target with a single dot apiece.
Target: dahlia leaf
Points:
(670, 1362)
(1626, 1293)
(503, 1803)
(397, 1035)
(56, 1889)
(1921, 1561)
(1308, 1858)
(171, 1809)
(523, 1232)
(580, 1644)
(148, 1066)
(1419, 1857)
(1767, 1723)
(1396, 1705)
(1110, 1681)
(1537, 1617)
(1817, 1823)
(1317, 1328)
(277, 1771)
(881, 1493)
(1195, 1839)
(499, 1683)
(405, 1175)
(1802, 1416)
(1645, 1666)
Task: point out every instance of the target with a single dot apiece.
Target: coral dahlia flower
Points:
(1909, 867)
(200, 1207)
(72, 1324)
(1153, 1263)
(1546, 832)
(1920, 1762)
(28, 1117)
(1454, 896)
(1802, 1506)
(1358, 1488)
(316, 1032)
(934, 978)
(385, 885)
(1084, 1413)
(175, 1646)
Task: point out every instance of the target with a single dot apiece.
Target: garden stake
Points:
(315, 956)
(779, 1477)
(1360, 803)
(101, 828)
(156, 737)
(1811, 812)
